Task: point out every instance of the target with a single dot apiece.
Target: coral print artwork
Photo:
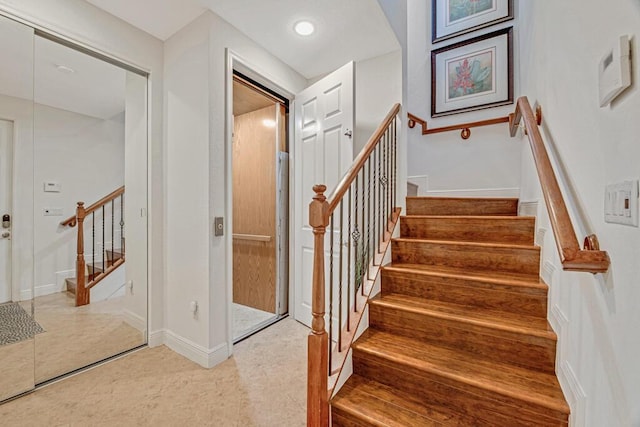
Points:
(471, 75)
(462, 9)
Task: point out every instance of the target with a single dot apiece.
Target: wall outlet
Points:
(621, 203)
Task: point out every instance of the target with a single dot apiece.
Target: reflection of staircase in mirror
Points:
(105, 219)
(94, 270)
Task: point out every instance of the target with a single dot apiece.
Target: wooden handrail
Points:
(71, 221)
(573, 258)
(464, 127)
(359, 162)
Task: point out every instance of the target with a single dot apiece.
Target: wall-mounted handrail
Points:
(359, 218)
(590, 259)
(71, 221)
(465, 128)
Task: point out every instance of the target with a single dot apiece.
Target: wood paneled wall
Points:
(254, 210)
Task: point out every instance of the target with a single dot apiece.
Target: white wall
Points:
(378, 87)
(196, 192)
(596, 316)
(85, 155)
(88, 25)
(489, 160)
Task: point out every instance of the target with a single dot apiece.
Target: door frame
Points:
(13, 289)
(234, 61)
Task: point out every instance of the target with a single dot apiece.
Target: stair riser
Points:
(525, 301)
(485, 406)
(517, 231)
(341, 418)
(498, 259)
(492, 344)
(466, 206)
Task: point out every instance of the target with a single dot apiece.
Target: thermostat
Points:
(615, 71)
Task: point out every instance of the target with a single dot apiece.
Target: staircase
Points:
(95, 269)
(458, 335)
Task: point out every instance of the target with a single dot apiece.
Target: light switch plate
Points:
(52, 211)
(621, 203)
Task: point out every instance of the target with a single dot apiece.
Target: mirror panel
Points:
(17, 325)
(90, 133)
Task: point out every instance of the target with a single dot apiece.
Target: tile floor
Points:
(247, 319)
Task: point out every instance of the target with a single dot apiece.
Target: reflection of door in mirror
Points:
(17, 326)
(89, 146)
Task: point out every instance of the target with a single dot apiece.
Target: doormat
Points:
(16, 325)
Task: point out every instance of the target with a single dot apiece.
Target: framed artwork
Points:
(451, 18)
(473, 74)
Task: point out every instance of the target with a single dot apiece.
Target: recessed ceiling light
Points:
(304, 28)
(65, 69)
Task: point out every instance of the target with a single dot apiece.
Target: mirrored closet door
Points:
(17, 325)
(79, 200)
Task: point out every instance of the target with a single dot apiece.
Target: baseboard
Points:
(476, 192)
(421, 181)
(135, 321)
(575, 394)
(156, 338)
(39, 291)
(528, 208)
(207, 358)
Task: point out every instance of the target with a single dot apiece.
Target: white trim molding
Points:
(475, 192)
(207, 358)
(574, 393)
(528, 208)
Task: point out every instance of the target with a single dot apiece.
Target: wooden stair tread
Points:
(469, 244)
(377, 404)
(510, 280)
(497, 277)
(511, 322)
(523, 384)
(487, 228)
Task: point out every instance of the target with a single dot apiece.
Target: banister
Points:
(573, 258)
(71, 221)
(359, 162)
(464, 127)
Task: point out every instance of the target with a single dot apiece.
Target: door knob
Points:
(348, 133)
(6, 235)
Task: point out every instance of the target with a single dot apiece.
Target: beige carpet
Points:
(262, 385)
(76, 337)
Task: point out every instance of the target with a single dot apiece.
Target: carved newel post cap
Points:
(319, 188)
(80, 203)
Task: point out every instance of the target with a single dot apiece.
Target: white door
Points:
(324, 126)
(6, 163)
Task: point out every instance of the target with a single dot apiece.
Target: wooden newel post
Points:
(82, 293)
(318, 344)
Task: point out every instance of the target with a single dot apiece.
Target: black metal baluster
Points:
(103, 241)
(340, 279)
(356, 256)
(363, 261)
(330, 293)
(122, 225)
(380, 185)
(349, 263)
(368, 216)
(113, 228)
(93, 246)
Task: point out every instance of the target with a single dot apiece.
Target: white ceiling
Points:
(345, 29)
(95, 89)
